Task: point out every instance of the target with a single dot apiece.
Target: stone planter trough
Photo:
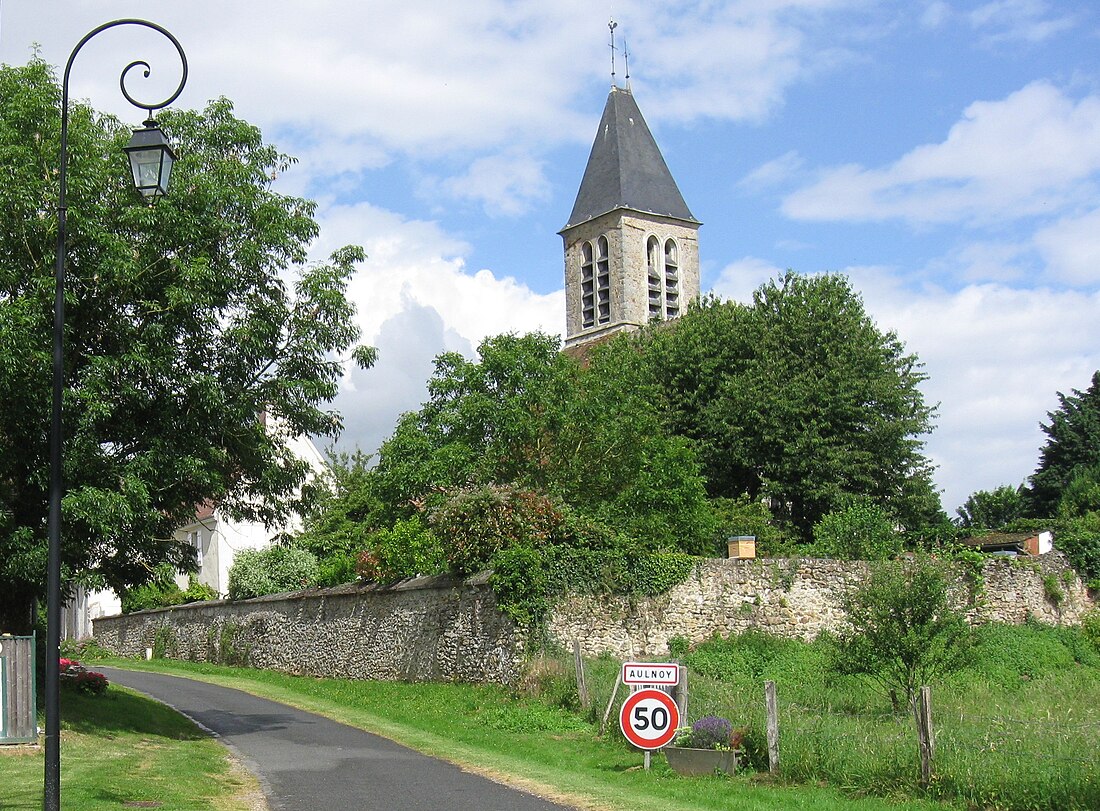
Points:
(695, 762)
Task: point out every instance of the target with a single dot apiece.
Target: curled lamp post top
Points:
(137, 63)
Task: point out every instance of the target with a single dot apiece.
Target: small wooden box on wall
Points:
(742, 546)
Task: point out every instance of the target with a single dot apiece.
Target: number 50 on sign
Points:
(649, 719)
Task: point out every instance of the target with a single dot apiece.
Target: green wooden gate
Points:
(18, 717)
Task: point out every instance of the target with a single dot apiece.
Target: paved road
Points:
(309, 763)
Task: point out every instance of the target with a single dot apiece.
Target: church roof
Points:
(625, 168)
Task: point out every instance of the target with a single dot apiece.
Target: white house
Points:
(217, 538)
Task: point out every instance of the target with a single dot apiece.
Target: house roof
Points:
(996, 541)
(626, 169)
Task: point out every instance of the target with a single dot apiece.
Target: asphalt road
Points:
(306, 762)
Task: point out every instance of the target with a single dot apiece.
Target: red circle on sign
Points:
(649, 719)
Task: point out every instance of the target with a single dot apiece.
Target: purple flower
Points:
(711, 731)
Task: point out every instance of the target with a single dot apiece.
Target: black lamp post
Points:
(151, 162)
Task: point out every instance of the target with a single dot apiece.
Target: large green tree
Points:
(799, 398)
(524, 413)
(197, 338)
(1071, 455)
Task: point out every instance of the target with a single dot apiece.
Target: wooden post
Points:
(925, 737)
(611, 702)
(582, 682)
(773, 726)
(680, 693)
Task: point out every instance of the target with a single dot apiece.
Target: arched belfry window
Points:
(653, 269)
(588, 287)
(672, 279)
(603, 282)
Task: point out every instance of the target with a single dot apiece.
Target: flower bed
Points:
(74, 676)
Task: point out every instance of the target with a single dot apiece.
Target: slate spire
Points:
(626, 169)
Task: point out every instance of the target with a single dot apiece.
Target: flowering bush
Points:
(709, 732)
(75, 676)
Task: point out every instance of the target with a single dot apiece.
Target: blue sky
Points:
(945, 155)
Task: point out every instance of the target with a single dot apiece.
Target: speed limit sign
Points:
(649, 719)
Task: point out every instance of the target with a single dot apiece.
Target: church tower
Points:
(631, 244)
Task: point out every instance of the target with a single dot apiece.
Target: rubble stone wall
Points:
(441, 629)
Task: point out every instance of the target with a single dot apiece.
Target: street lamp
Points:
(151, 158)
(151, 162)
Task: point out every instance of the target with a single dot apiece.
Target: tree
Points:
(1073, 446)
(798, 398)
(197, 339)
(860, 530)
(525, 414)
(903, 632)
(987, 509)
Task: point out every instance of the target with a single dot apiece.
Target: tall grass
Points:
(1016, 730)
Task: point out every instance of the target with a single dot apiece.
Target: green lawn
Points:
(122, 748)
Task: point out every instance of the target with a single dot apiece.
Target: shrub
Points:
(276, 569)
(1090, 628)
(1010, 655)
(408, 549)
(197, 592)
(748, 516)
(903, 632)
(477, 522)
(336, 569)
(860, 531)
(1080, 539)
(159, 592)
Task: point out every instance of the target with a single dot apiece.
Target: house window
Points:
(603, 282)
(588, 287)
(672, 279)
(653, 268)
(196, 542)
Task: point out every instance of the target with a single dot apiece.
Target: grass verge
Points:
(122, 750)
(524, 742)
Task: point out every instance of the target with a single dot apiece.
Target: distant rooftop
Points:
(626, 169)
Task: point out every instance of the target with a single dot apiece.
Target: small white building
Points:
(217, 538)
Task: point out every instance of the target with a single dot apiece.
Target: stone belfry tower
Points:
(631, 244)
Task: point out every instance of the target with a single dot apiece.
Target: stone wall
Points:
(798, 597)
(441, 629)
(426, 629)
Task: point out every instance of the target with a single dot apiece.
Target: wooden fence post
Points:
(925, 737)
(773, 726)
(680, 693)
(582, 681)
(611, 702)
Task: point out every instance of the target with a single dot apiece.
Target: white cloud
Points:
(415, 261)
(506, 184)
(415, 299)
(739, 279)
(372, 400)
(1018, 21)
(935, 14)
(774, 173)
(995, 358)
(1071, 248)
(1032, 153)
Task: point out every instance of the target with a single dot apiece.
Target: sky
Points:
(945, 155)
